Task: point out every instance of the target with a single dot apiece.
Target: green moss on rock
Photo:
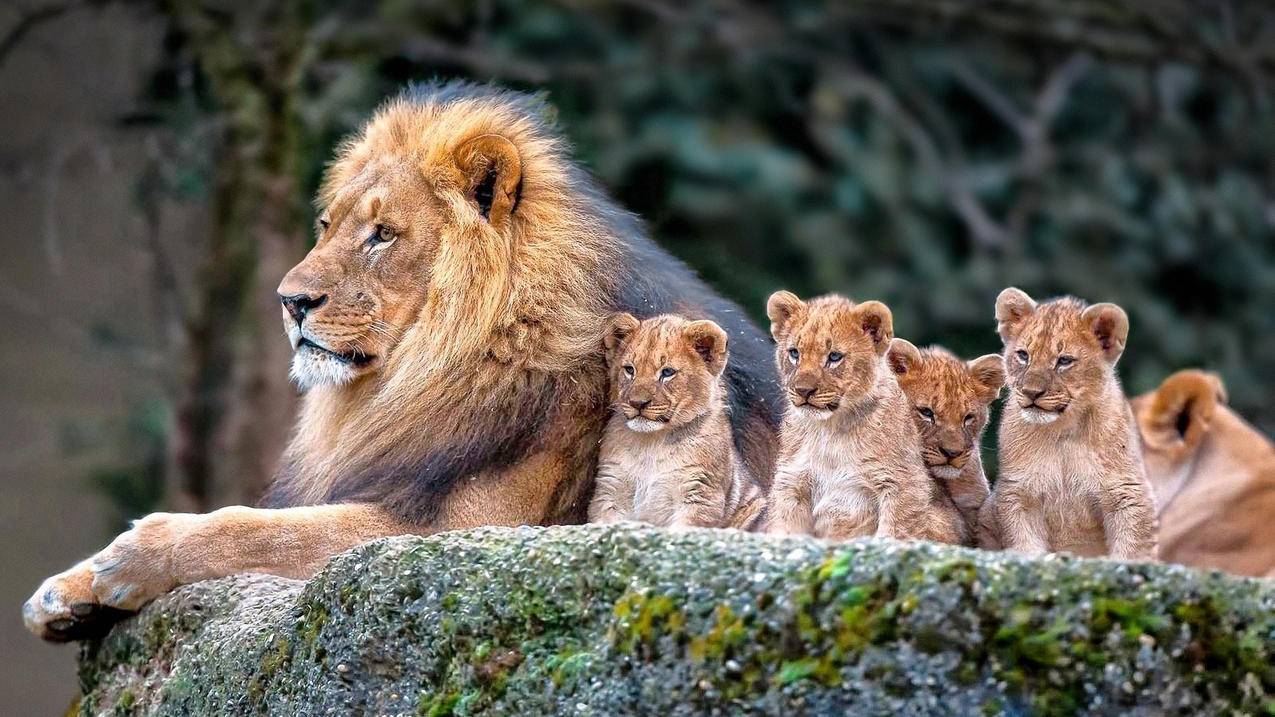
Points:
(624, 620)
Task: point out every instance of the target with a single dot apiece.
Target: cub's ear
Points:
(877, 322)
(709, 341)
(1110, 325)
(616, 331)
(1180, 412)
(492, 176)
(781, 308)
(903, 356)
(989, 372)
(1012, 306)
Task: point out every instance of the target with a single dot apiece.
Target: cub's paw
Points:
(137, 566)
(64, 608)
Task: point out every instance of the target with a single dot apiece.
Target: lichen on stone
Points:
(621, 620)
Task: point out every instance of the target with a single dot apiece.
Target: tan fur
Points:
(1071, 474)
(1213, 474)
(667, 456)
(850, 460)
(950, 400)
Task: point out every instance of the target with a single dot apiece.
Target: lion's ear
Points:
(492, 171)
(781, 308)
(709, 341)
(1110, 326)
(1012, 307)
(616, 331)
(1181, 410)
(878, 323)
(989, 373)
(903, 356)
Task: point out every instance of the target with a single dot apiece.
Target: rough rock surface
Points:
(598, 621)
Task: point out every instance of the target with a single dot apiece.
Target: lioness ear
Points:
(1012, 306)
(492, 169)
(616, 331)
(781, 308)
(903, 356)
(1110, 325)
(878, 323)
(709, 341)
(989, 372)
(1182, 408)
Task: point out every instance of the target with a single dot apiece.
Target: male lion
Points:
(448, 333)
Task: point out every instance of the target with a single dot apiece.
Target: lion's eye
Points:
(1022, 355)
(628, 370)
(382, 235)
(1065, 361)
(969, 418)
(794, 354)
(667, 372)
(834, 357)
(324, 224)
(926, 413)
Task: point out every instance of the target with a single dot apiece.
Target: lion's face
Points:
(346, 305)
(828, 350)
(1058, 355)
(664, 370)
(949, 399)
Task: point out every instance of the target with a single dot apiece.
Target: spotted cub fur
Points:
(667, 456)
(850, 459)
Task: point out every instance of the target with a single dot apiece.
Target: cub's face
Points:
(828, 350)
(949, 399)
(1059, 354)
(664, 370)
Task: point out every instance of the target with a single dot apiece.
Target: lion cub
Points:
(667, 455)
(850, 459)
(1071, 475)
(950, 400)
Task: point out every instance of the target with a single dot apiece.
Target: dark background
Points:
(157, 161)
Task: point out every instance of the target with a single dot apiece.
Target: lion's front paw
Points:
(134, 569)
(64, 608)
(137, 567)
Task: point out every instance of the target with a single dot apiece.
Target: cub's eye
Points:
(926, 413)
(1022, 355)
(628, 371)
(324, 224)
(969, 418)
(667, 372)
(794, 354)
(835, 356)
(1065, 361)
(382, 235)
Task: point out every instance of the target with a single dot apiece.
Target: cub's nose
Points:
(640, 403)
(950, 452)
(1033, 393)
(804, 391)
(298, 305)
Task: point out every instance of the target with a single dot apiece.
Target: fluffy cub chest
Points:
(656, 473)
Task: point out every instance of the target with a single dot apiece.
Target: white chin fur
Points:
(311, 369)
(644, 425)
(1037, 416)
(814, 414)
(947, 472)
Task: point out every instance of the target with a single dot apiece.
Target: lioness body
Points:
(446, 327)
(850, 461)
(1071, 476)
(1213, 474)
(667, 457)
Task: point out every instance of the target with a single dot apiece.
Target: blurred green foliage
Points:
(804, 146)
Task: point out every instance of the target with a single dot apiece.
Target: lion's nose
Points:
(1033, 393)
(805, 391)
(298, 305)
(951, 452)
(640, 403)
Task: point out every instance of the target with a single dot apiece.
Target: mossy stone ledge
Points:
(591, 620)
